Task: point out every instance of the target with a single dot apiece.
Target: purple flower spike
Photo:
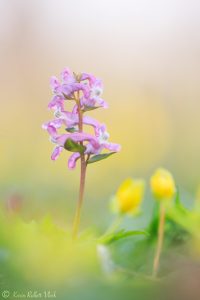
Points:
(86, 91)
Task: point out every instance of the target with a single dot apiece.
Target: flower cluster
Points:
(85, 91)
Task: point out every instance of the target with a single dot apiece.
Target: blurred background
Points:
(146, 52)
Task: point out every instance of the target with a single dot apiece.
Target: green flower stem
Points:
(113, 227)
(160, 239)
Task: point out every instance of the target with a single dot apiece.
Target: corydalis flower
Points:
(85, 90)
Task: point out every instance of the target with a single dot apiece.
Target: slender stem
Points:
(160, 240)
(113, 227)
(82, 177)
(80, 200)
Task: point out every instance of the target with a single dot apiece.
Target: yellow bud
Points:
(162, 184)
(130, 195)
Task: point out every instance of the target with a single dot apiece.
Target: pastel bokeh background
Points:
(146, 52)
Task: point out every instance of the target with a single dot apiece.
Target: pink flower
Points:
(57, 123)
(92, 95)
(55, 85)
(86, 76)
(57, 102)
(67, 76)
(56, 152)
(102, 141)
(72, 160)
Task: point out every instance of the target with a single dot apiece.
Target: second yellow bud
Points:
(162, 184)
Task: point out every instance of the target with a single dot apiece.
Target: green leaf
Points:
(88, 108)
(98, 157)
(71, 129)
(72, 146)
(121, 234)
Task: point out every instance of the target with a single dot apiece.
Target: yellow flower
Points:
(129, 195)
(162, 184)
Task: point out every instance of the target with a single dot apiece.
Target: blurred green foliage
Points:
(41, 255)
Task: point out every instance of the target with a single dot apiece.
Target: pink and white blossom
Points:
(90, 91)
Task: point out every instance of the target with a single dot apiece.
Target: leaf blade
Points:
(71, 129)
(72, 146)
(88, 108)
(99, 157)
(121, 234)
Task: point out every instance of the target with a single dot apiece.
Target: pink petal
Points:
(72, 160)
(70, 119)
(54, 83)
(67, 89)
(66, 74)
(90, 121)
(101, 129)
(56, 103)
(57, 123)
(75, 109)
(102, 103)
(52, 131)
(56, 152)
(98, 84)
(112, 147)
(91, 78)
(93, 150)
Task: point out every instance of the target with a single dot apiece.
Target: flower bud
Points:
(129, 195)
(162, 184)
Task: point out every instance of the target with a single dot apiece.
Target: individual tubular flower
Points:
(92, 94)
(162, 184)
(57, 102)
(129, 196)
(101, 138)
